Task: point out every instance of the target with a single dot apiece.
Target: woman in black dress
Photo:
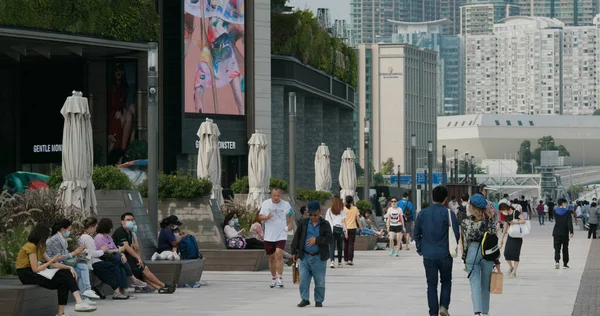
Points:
(512, 252)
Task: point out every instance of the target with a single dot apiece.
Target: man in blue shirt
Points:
(409, 216)
(311, 246)
(432, 241)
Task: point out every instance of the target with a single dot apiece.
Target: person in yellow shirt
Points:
(352, 223)
(62, 278)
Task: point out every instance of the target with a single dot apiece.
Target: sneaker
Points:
(88, 301)
(155, 256)
(120, 296)
(303, 303)
(556, 266)
(135, 282)
(83, 307)
(350, 263)
(510, 271)
(444, 311)
(318, 304)
(513, 274)
(565, 266)
(273, 283)
(339, 264)
(392, 252)
(332, 265)
(280, 282)
(90, 294)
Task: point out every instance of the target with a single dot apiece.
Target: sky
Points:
(339, 9)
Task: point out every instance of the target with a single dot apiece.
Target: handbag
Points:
(452, 243)
(336, 229)
(496, 283)
(518, 230)
(295, 273)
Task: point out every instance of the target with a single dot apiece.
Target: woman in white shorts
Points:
(395, 226)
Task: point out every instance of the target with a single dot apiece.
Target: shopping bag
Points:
(295, 273)
(496, 283)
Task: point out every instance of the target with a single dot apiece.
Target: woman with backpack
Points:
(512, 251)
(168, 244)
(477, 228)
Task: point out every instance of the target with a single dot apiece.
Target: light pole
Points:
(456, 166)
(444, 165)
(473, 170)
(292, 142)
(466, 169)
(153, 136)
(367, 175)
(430, 163)
(398, 175)
(451, 171)
(413, 167)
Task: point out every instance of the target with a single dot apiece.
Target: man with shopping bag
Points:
(311, 247)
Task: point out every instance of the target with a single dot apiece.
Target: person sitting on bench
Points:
(369, 229)
(236, 239)
(168, 244)
(123, 237)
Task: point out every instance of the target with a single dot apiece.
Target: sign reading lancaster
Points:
(390, 74)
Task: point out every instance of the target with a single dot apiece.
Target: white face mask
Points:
(176, 235)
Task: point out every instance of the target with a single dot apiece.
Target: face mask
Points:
(236, 221)
(134, 228)
(176, 235)
(232, 223)
(129, 224)
(175, 227)
(67, 234)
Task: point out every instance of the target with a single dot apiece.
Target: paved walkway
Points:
(378, 284)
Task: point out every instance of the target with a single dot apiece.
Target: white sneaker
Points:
(90, 294)
(332, 265)
(88, 301)
(273, 283)
(556, 266)
(280, 282)
(83, 307)
(155, 256)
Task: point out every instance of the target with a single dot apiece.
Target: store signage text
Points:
(49, 148)
(229, 145)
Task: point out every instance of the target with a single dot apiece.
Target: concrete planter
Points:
(22, 300)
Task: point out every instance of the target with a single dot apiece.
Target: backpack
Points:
(407, 212)
(188, 248)
(461, 214)
(490, 250)
(540, 208)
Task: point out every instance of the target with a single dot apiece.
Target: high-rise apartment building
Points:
(532, 66)
(397, 94)
(478, 17)
(430, 35)
(570, 12)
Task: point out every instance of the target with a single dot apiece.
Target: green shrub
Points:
(104, 178)
(363, 205)
(133, 20)
(241, 186)
(310, 195)
(11, 242)
(245, 214)
(110, 178)
(138, 149)
(278, 183)
(180, 185)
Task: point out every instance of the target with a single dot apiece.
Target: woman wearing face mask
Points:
(107, 273)
(237, 238)
(512, 252)
(57, 245)
(167, 242)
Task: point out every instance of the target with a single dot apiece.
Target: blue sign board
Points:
(407, 179)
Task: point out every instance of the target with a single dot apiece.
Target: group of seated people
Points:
(115, 260)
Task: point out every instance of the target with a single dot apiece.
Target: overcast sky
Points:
(339, 9)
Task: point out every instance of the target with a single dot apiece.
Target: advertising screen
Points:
(214, 57)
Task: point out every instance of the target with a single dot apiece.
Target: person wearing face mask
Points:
(167, 242)
(124, 238)
(57, 245)
(235, 237)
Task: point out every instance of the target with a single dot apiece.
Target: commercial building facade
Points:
(399, 99)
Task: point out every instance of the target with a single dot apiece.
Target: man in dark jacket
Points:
(432, 241)
(563, 231)
(311, 246)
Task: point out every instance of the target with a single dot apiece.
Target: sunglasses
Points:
(393, 201)
(313, 214)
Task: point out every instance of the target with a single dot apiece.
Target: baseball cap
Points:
(313, 206)
(173, 220)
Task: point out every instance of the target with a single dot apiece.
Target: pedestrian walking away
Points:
(432, 242)
(512, 251)
(541, 210)
(474, 229)
(562, 232)
(592, 219)
(408, 213)
(395, 227)
(336, 216)
(278, 216)
(311, 247)
(352, 224)
(551, 210)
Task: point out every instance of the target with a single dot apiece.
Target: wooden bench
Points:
(179, 272)
(17, 299)
(236, 260)
(365, 243)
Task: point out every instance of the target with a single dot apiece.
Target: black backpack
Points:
(490, 250)
(407, 212)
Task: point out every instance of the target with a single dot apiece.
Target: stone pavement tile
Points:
(588, 296)
(378, 285)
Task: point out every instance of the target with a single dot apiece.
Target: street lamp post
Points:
(456, 166)
(413, 167)
(444, 165)
(153, 136)
(451, 171)
(398, 175)
(367, 171)
(466, 165)
(473, 170)
(430, 164)
(292, 142)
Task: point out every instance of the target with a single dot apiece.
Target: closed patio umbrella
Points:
(323, 169)
(258, 175)
(209, 157)
(348, 175)
(77, 188)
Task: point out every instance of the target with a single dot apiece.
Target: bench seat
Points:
(17, 299)
(365, 243)
(180, 272)
(235, 260)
